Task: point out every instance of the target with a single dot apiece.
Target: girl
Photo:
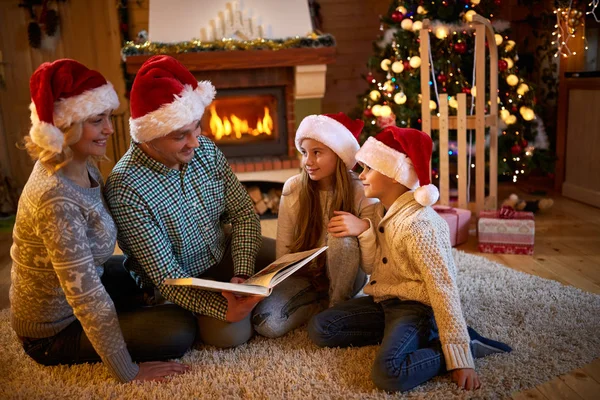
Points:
(318, 207)
(71, 300)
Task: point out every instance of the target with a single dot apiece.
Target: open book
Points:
(261, 283)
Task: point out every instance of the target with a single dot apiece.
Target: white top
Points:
(289, 209)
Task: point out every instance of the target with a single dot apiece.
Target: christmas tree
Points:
(394, 90)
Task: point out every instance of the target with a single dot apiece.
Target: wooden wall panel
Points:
(89, 33)
(355, 25)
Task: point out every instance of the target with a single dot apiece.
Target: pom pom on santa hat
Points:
(165, 97)
(62, 93)
(402, 154)
(337, 131)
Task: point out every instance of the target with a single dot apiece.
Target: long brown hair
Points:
(309, 227)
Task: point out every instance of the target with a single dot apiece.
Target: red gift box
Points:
(506, 231)
(458, 220)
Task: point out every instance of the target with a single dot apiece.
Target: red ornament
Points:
(524, 143)
(460, 47)
(516, 150)
(370, 77)
(406, 65)
(497, 2)
(442, 78)
(514, 108)
(368, 113)
(466, 90)
(397, 16)
(502, 65)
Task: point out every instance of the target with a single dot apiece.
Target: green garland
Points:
(195, 46)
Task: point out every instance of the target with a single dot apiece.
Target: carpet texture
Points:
(552, 328)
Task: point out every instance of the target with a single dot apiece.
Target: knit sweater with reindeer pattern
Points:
(62, 236)
(408, 254)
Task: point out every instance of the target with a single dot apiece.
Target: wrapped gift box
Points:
(506, 231)
(458, 220)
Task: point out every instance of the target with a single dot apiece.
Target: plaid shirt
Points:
(170, 222)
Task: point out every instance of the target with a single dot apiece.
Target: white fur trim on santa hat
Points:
(47, 136)
(68, 111)
(389, 162)
(427, 195)
(332, 134)
(187, 107)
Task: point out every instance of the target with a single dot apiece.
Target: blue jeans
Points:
(410, 352)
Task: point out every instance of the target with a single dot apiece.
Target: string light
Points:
(565, 29)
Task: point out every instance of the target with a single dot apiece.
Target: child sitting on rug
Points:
(317, 208)
(412, 292)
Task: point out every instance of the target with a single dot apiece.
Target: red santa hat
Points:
(336, 131)
(165, 97)
(402, 154)
(62, 93)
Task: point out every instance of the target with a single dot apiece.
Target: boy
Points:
(413, 305)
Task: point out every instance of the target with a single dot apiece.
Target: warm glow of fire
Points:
(233, 125)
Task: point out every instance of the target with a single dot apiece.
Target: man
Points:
(173, 197)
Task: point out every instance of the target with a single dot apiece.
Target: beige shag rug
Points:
(553, 329)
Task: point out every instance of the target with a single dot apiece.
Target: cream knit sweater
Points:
(407, 252)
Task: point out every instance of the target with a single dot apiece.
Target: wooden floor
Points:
(567, 249)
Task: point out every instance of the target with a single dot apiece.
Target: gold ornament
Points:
(397, 67)
(400, 98)
(417, 26)
(511, 119)
(522, 89)
(469, 15)
(512, 80)
(527, 113)
(421, 10)
(385, 64)
(441, 32)
(504, 113)
(452, 102)
(415, 61)
(386, 111)
(498, 38)
(374, 95)
(432, 105)
(401, 9)
(406, 24)
(510, 45)
(376, 109)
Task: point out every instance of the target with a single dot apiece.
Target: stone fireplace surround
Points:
(301, 72)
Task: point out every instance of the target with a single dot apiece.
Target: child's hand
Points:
(466, 378)
(346, 224)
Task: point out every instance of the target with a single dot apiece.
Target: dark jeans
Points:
(410, 352)
(151, 333)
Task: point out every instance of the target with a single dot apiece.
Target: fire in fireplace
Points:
(248, 122)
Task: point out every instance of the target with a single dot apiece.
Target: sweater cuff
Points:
(458, 356)
(121, 366)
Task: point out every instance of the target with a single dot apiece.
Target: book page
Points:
(216, 286)
(274, 273)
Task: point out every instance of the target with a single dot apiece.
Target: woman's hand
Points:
(346, 224)
(159, 370)
(466, 378)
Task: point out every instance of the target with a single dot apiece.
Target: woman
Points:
(71, 300)
(321, 206)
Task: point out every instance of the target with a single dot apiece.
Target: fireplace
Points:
(248, 122)
(251, 84)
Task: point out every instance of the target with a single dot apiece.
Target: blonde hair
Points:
(51, 160)
(308, 231)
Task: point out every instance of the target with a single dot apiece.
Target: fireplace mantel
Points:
(244, 59)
